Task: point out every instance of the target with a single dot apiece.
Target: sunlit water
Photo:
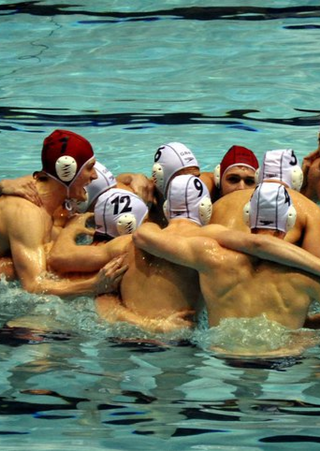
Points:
(131, 76)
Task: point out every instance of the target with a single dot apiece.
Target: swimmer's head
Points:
(168, 160)
(281, 165)
(105, 181)
(118, 212)
(270, 207)
(64, 154)
(188, 197)
(237, 156)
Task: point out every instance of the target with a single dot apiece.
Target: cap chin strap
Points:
(69, 205)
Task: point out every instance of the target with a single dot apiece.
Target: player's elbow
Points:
(56, 263)
(31, 286)
(138, 238)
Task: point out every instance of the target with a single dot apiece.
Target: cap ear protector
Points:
(205, 210)
(216, 174)
(296, 178)
(290, 221)
(295, 171)
(158, 176)
(66, 168)
(126, 224)
(291, 218)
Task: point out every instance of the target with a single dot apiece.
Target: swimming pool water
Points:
(130, 77)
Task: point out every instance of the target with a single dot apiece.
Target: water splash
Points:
(255, 336)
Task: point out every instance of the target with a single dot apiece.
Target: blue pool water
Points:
(130, 76)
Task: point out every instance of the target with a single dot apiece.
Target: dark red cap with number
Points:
(64, 154)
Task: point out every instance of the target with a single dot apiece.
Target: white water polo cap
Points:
(188, 197)
(119, 212)
(169, 159)
(105, 181)
(270, 207)
(281, 165)
(64, 154)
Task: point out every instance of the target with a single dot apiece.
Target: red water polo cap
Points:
(64, 154)
(238, 156)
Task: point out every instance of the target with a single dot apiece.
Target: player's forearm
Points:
(290, 255)
(272, 249)
(63, 252)
(172, 247)
(66, 288)
(106, 280)
(149, 238)
(76, 259)
(67, 256)
(157, 243)
(110, 309)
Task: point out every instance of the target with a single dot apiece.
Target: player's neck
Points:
(52, 194)
(270, 232)
(180, 223)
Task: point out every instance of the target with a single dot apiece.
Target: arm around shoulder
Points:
(175, 248)
(272, 249)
